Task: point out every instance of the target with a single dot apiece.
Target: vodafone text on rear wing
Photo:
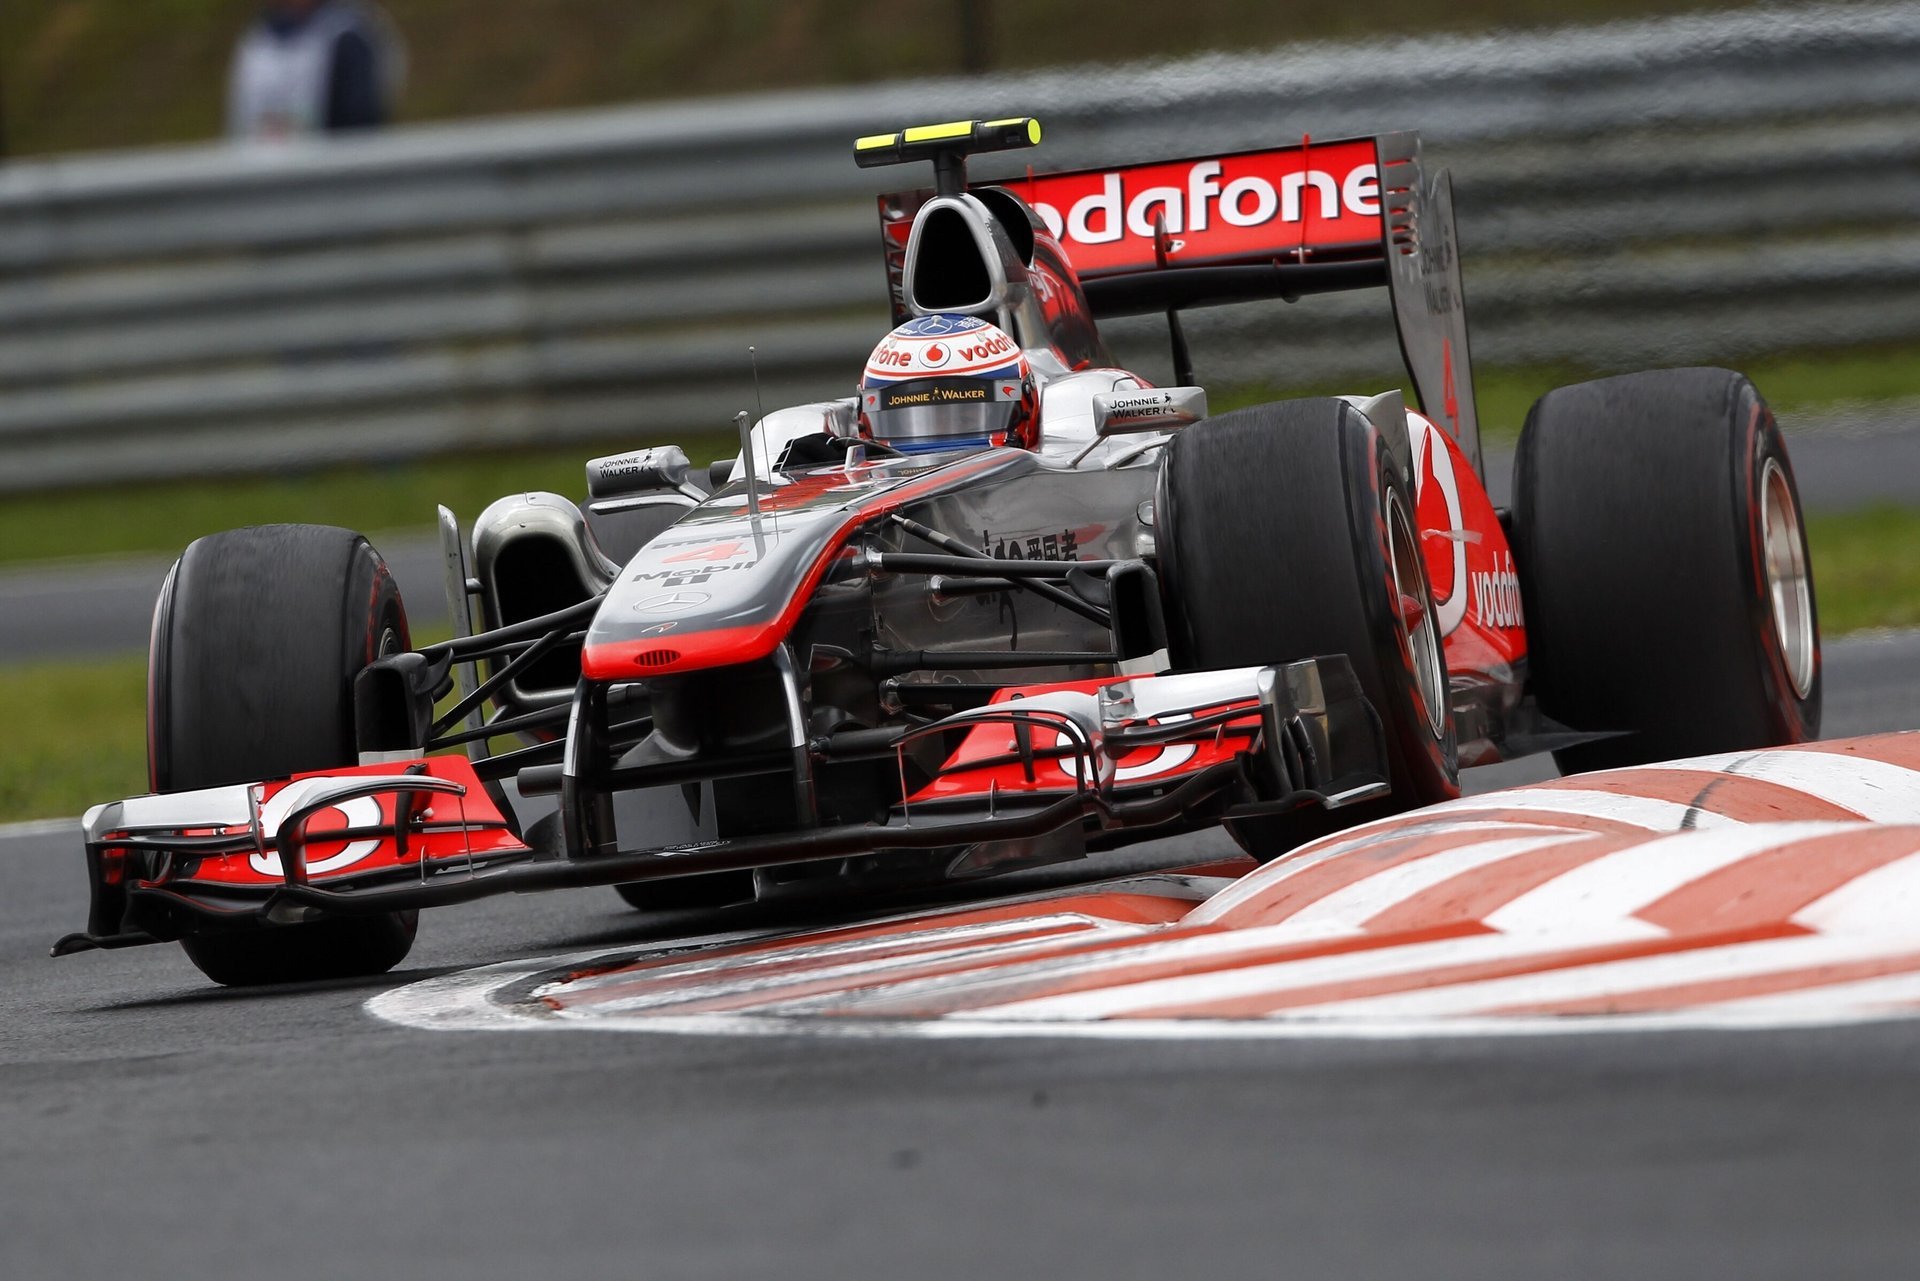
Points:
(1282, 222)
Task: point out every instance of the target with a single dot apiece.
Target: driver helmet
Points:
(944, 382)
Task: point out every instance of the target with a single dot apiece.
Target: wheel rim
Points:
(1790, 595)
(1413, 612)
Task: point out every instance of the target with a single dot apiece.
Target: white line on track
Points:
(466, 1001)
(742, 983)
(1898, 993)
(848, 951)
(469, 1002)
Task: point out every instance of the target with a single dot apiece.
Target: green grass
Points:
(89, 74)
(76, 736)
(1866, 569)
(163, 517)
(1794, 382)
(78, 733)
(1805, 381)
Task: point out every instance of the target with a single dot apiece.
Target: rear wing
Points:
(1276, 223)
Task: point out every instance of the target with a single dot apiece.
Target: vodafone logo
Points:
(1167, 759)
(1249, 201)
(993, 345)
(360, 811)
(1496, 596)
(1318, 195)
(889, 356)
(934, 355)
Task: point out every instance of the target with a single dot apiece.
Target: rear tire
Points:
(1663, 568)
(257, 637)
(1279, 529)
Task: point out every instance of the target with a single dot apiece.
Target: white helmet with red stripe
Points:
(944, 382)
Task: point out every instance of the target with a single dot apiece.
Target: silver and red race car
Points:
(1006, 605)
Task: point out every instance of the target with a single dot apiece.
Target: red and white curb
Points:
(1769, 889)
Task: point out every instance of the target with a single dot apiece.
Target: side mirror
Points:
(1149, 409)
(642, 471)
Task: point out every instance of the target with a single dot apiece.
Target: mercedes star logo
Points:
(672, 602)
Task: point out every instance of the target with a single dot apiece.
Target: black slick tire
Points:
(1274, 533)
(1652, 515)
(257, 637)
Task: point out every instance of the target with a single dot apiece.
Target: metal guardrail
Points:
(1686, 189)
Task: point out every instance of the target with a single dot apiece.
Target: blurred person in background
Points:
(314, 66)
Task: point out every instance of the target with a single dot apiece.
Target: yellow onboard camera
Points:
(947, 146)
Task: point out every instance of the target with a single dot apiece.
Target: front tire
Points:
(1285, 532)
(257, 637)
(1664, 571)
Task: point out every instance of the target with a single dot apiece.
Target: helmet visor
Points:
(942, 412)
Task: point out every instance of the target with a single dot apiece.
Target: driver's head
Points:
(945, 382)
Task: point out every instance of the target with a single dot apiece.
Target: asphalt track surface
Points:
(155, 1126)
(94, 608)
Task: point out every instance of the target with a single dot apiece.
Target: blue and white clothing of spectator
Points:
(314, 66)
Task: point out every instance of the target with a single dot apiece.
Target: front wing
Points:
(1126, 753)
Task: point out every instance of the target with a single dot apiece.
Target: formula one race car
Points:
(1005, 605)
